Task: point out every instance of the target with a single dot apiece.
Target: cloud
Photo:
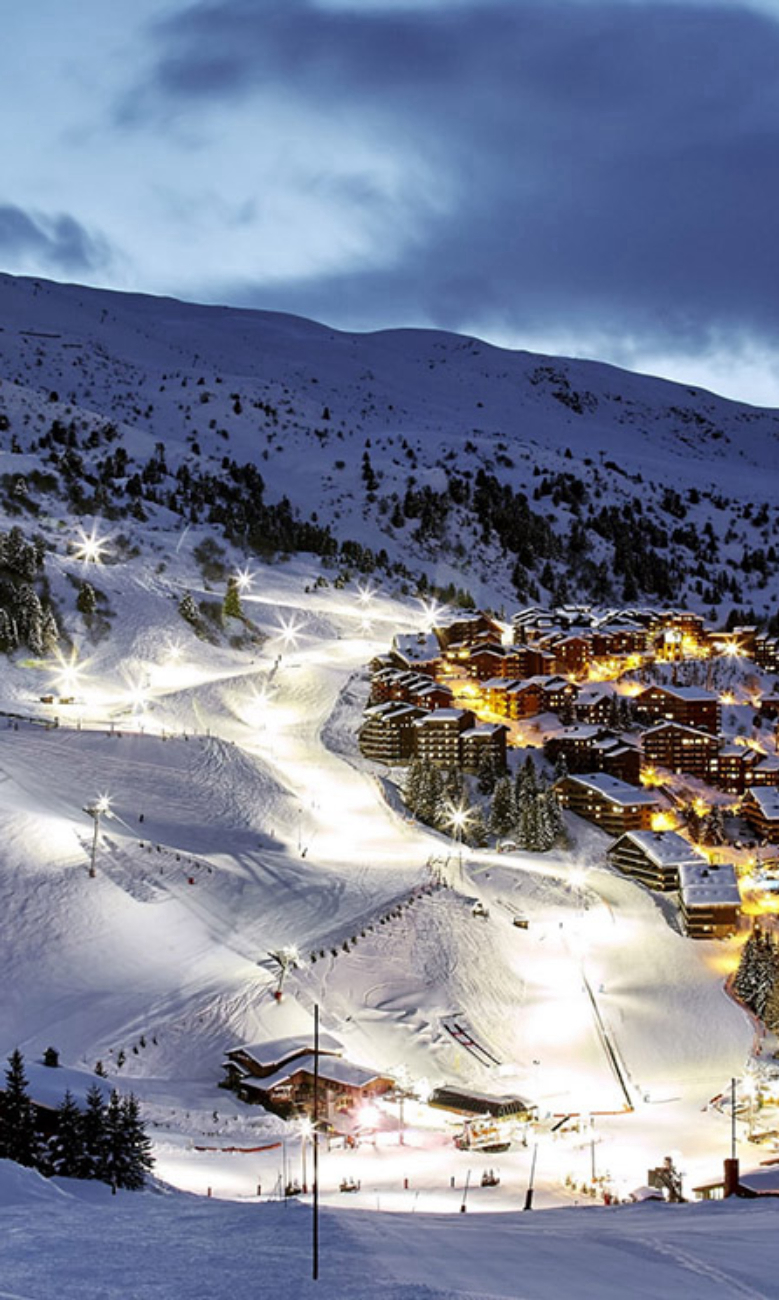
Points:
(60, 241)
(608, 166)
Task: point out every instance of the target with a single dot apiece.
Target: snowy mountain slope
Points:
(349, 425)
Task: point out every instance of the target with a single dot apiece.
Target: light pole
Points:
(102, 805)
(457, 816)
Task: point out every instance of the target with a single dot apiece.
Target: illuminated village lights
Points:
(365, 595)
(664, 821)
(289, 632)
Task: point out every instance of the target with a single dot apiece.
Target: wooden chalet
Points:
(594, 749)
(736, 767)
(280, 1076)
(573, 652)
(438, 736)
(691, 706)
(417, 650)
(387, 734)
(482, 739)
(710, 899)
(767, 653)
(513, 699)
(594, 705)
(682, 749)
(613, 805)
(466, 629)
(760, 808)
(652, 857)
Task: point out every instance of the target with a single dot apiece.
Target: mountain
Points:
(509, 476)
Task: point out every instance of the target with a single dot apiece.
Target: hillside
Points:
(511, 476)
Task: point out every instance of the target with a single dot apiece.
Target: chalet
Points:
(618, 639)
(610, 803)
(692, 706)
(594, 704)
(261, 1060)
(760, 807)
(438, 736)
(557, 693)
(465, 629)
(682, 749)
(417, 650)
(765, 771)
(710, 899)
(594, 749)
(736, 764)
(769, 705)
(484, 660)
(527, 661)
(387, 735)
(513, 699)
(572, 653)
(652, 857)
(484, 738)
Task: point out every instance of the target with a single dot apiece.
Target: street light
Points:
(458, 816)
(91, 548)
(244, 579)
(101, 807)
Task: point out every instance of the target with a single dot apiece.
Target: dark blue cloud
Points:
(613, 165)
(59, 242)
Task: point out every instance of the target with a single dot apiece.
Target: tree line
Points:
(105, 1141)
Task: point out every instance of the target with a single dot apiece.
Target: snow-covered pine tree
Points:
(745, 979)
(431, 803)
(115, 1162)
(476, 832)
(188, 609)
(66, 1146)
(49, 632)
(19, 1139)
(503, 809)
(767, 970)
(453, 788)
(487, 772)
(28, 612)
(527, 782)
(86, 600)
(93, 1135)
(137, 1145)
(528, 829)
(560, 767)
(412, 784)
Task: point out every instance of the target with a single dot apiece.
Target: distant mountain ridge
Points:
(511, 475)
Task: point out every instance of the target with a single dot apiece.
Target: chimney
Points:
(731, 1177)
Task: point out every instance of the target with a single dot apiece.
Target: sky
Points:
(595, 178)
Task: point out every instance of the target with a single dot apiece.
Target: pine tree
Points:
(231, 607)
(767, 969)
(188, 609)
(487, 771)
(66, 1147)
(137, 1145)
(86, 600)
(412, 785)
(18, 1137)
(475, 832)
(744, 981)
(560, 767)
(453, 790)
(93, 1136)
(529, 832)
(503, 809)
(527, 781)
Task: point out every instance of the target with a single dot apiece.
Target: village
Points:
(680, 772)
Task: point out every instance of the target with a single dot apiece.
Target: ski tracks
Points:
(706, 1270)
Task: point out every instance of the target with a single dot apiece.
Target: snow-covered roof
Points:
(708, 884)
(440, 715)
(49, 1084)
(332, 1069)
(669, 725)
(279, 1049)
(767, 799)
(664, 848)
(613, 789)
(685, 692)
(417, 646)
(484, 729)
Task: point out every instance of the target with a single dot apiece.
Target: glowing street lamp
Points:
(91, 548)
(458, 816)
(100, 808)
(365, 595)
(288, 632)
(244, 580)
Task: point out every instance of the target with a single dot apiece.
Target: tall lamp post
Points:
(457, 816)
(101, 807)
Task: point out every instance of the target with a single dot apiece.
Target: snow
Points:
(262, 826)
